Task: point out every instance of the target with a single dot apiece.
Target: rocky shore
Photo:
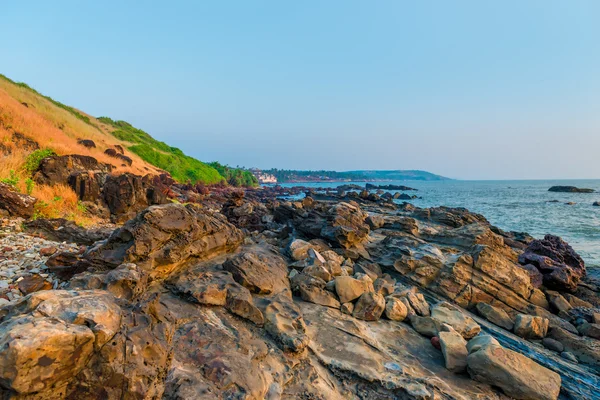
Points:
(217, 293)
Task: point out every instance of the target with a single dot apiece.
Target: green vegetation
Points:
(33, 160)
(235, 176)
(182, 168)
(12, 180)
(29, 185)
(73, 111)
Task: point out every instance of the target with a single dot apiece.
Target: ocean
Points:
(522, 206)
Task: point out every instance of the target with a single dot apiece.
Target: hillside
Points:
(33, 126)
(284, 176)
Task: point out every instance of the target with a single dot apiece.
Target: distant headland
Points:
(291, 176)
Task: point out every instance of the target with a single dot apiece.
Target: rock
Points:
(34, 283)
(481, 340)
(87, 143)
(371, 269)
(435, 342)
(16, 204)
(419, 304)
(495, 315)
(62, 230)
(239, 301)
(298, 249)
(395, 310)
(127, 281)
(590, 330)
(261, 272)
(317, 271)
(283, 321)
(349, 288)
(426, 326)
(320, 296)
(560, 265)
(536, 277)
(127, 194)
(558, 302)
(570, 189)
(369, 306)
(38, 353)
(57, 169)
(517, 376)
(539, 299)
(161, 238)
(347, 308)
(375, 221)
(553, 345)
(454, 349)
(447, 314)
(48, 251)
(569, 356)
(596, 204)
(530, 327)
(584, 348)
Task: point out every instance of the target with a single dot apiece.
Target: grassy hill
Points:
(33, 126)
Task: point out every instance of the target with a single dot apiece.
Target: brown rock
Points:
(369, 306)
(33, 283)
(530, 327)
(17, 204)
(260, 271)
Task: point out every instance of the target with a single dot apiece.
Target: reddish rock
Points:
(17, 204)
(48, 251)
(560, 265)
(435, 342)
(33, 283)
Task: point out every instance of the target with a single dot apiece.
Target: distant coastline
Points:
(274, 176)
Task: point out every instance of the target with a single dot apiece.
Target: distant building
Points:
(262, 177)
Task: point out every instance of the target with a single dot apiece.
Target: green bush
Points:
(235, 176)
(12, 180)
(33, 160)
(29, 185)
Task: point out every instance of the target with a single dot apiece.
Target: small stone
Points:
(435, 342)
(347, 308)
(569, 356)
(395, 310)
(48, 251)
(553, 345)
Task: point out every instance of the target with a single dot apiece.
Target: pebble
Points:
(21, 255)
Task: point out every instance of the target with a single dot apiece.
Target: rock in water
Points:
(570, 189)
(517, 376)
(560, 265)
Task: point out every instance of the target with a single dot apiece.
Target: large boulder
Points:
(58, 169)
(349, 288)
(262, 272)
(518, 376)
(127, 194)
(161, 238)
(17, 204)
(560, 265)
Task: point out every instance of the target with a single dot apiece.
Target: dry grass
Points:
(60, 201)
(56, 128)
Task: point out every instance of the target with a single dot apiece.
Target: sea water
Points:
(522, 206)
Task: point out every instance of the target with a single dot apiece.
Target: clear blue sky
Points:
(468, 89)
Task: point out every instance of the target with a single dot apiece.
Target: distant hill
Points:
(284, 176)
(401, 175)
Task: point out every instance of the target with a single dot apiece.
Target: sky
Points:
(468, 89)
